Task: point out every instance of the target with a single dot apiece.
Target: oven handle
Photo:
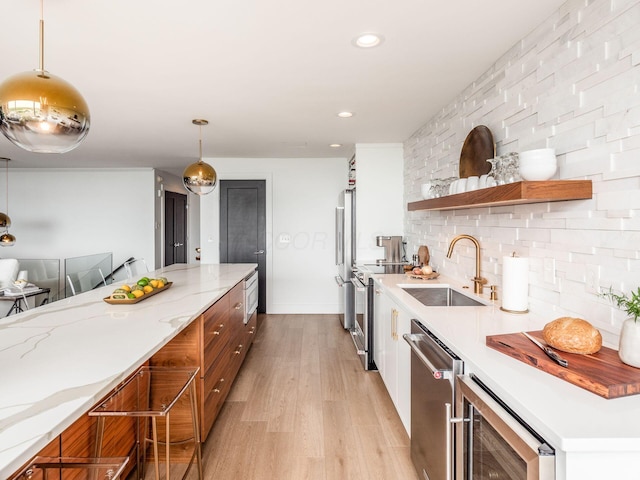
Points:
(357, 284)
(359, 351)
(438, 373)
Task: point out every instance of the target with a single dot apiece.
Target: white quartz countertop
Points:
(59, 360)
(568, 417)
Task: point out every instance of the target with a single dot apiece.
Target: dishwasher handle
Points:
(438, 373)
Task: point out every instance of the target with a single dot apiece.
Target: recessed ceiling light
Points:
(335, 145)
(345, 114)
(368, 40)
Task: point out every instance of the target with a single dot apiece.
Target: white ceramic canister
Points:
(629, 347)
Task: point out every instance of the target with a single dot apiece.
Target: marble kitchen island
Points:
(60, 359)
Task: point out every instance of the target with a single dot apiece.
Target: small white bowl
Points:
(539, 164)
(425, 189)
(538, 154)
(539, 161)
(536, 172)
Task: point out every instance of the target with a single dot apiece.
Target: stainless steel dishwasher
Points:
(434, 368)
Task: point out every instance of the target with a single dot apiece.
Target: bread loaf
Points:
(573, 335)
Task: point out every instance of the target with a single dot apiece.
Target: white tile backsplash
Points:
(572, 84)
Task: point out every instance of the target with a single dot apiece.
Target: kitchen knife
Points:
(550, 353)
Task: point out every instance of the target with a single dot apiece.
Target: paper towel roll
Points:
(515, 284)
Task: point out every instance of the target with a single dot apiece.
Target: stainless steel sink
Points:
(442, 297)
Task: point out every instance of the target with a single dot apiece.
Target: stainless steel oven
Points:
(492, 442)
(362, 331)
(363, 288)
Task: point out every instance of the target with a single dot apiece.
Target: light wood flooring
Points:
(303, 408)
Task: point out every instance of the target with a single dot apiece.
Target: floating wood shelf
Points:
(510, 194)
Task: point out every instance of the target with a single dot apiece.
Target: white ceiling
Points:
(269, 75)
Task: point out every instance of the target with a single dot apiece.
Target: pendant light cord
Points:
(6, 168)
(41, 63)
(200, 143)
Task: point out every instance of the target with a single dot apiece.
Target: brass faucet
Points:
(478, 281)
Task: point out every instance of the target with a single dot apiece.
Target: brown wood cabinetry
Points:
(217, 342)
(251, 328)
(222, 354)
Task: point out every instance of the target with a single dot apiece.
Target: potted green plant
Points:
(629, 347)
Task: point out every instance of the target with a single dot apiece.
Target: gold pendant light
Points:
(40, 112)
(6, 239)
(200, 178)
(5, 221)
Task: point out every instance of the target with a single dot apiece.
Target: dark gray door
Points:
(175, 231)
(243, 230)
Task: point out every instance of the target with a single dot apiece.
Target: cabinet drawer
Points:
(226, 364)
(236, 304)
(220, 369)
(216, 386)
(217, 330)
(211, 407)
(218, 343)
(251, 328)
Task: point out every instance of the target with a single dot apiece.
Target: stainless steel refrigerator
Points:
(345, 253)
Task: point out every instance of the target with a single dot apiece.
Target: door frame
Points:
(166, 223)
(210, 238)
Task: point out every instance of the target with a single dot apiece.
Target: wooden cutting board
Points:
(477, 148)
(601, 373)
(423, 255)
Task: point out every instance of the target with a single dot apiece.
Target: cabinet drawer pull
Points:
(238, 306)
(217, 332)
(394, 324)
(238, 350)
(252, 331)
(217, 388)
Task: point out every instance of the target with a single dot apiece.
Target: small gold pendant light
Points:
(6, 239)
(40, 112)
(200, 177)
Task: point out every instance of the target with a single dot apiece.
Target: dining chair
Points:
(84, 281)
(136, 267)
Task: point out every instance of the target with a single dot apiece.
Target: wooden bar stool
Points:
(150, 393)
(43, 468)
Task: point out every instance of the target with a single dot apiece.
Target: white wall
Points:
(61, 213)
(379, 197)
(301, 199)
(572, 84)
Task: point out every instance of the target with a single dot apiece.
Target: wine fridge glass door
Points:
(494, 444)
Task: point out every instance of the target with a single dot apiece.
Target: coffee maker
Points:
(392, 245)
